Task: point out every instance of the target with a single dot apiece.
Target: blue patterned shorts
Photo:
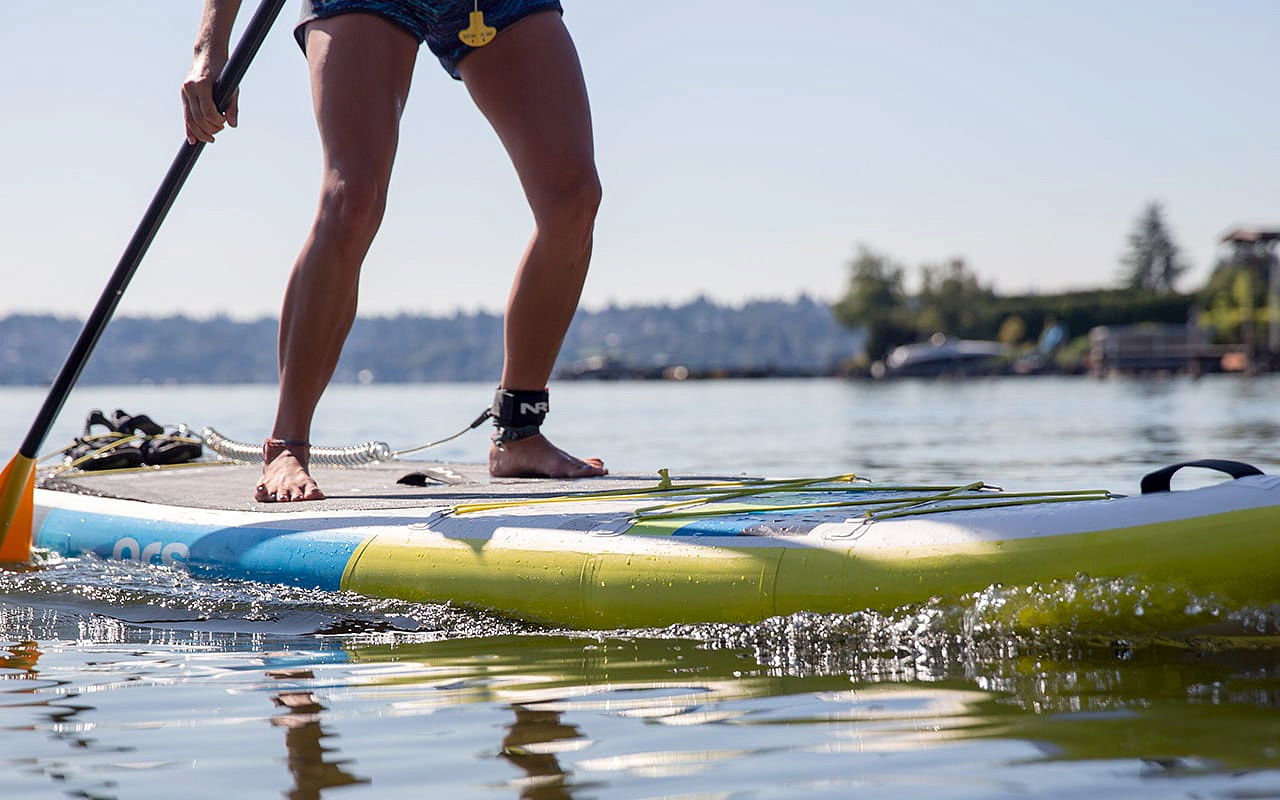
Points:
(436, 22)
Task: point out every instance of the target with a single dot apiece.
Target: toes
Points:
(593, 465)
(309, 492)
(586, 468)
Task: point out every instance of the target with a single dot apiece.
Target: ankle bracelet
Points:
(272, 448)
(273, 442)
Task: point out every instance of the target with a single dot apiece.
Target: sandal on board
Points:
(110, 449)
(130, 440)
(176, 448)
(159, 448)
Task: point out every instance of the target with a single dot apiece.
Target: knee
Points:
(569, 207)
(351, 208)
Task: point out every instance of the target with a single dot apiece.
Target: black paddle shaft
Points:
(254, 34)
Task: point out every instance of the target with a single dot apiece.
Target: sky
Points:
(747, 150)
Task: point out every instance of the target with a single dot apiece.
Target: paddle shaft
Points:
(254, 34)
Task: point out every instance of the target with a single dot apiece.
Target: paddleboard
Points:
(636, 551)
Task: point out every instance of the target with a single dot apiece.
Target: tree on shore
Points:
(876, 301)
(952, 300)
(1152, 261)
(1235, 298)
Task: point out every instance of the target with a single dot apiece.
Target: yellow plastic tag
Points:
(477, 34)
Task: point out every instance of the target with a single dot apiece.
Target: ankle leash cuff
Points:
(518, 414)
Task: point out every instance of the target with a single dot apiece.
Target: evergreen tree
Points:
(1152, 261)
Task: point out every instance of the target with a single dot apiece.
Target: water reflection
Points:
(949, 699)
(1260, 432)
(914, 700)
(1208, 705)
(304, 741)
(42, 704)
(18, 662)
(532, 743)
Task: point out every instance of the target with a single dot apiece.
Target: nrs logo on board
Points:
(170, 555)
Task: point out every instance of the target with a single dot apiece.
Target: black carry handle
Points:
(1158, 481)
(254, 34)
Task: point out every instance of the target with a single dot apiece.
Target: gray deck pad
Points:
(431, 484)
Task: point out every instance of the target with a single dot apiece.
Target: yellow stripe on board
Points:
(666, 580)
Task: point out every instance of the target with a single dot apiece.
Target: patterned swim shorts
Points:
(436, 22)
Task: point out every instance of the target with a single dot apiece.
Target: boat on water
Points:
(628, 551)
(942, 356)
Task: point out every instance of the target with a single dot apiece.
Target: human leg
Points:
(529, 85)
(360, 67)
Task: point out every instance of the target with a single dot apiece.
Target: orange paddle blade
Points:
(17, 493)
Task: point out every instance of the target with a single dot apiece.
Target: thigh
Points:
(361, 66)
(528, 83)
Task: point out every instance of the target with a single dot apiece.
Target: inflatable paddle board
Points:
(645, 551)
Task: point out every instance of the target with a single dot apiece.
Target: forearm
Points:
(214, 37)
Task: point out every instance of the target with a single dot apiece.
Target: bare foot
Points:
(284, 475)
(535, 457)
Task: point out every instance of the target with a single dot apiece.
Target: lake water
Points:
(118, 681)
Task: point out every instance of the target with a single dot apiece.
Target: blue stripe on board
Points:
(795, 522)
(257, 552)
